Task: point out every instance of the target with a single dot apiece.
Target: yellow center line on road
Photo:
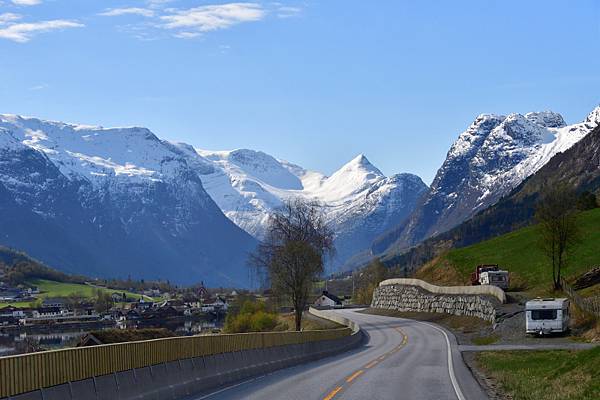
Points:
(332, 393)
(371, 364)
(354, 375)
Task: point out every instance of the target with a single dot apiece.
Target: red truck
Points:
(475, 276)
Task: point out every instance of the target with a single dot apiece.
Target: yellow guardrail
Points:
(27, 372)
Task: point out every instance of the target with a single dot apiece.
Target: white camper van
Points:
(545, 316)
(496, 278)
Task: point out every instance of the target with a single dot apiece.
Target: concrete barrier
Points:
(59, 392)
(126, 384)
(37, 395)
(106, 387)
(481, 290)
(84, 389)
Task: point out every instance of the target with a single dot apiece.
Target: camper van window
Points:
(543, 314)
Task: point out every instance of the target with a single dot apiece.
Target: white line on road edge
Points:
(206, 396)
(450, 364)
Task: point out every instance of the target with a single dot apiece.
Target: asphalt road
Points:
(401, 359)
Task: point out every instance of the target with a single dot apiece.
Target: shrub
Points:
(251, 317)
(263, 322)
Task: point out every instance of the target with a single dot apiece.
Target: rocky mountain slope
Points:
(493, 156)
(578, 167)
(113, 202)
(359, 202)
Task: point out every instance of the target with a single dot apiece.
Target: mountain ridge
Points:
(356, 199)
(96, 200)
(489, 159)
(579, 167)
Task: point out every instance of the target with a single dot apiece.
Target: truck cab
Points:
(545, 316)
(480, 269)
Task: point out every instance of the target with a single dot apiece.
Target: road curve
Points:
(401, 359)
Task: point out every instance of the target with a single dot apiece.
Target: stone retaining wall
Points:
(413, 298)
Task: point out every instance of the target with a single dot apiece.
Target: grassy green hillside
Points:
(519, 253)
(60, 289)
(49, 288)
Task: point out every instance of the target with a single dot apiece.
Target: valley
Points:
(299, 200)
(128, 190)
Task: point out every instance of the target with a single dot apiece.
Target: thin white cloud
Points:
(288, 12)
(115, 12)
(23, 32)
(39, 87)
(195, 21)
(26, 2)
(158, 3)
(9, 17)
(187, 35)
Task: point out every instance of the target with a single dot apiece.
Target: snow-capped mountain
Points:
(493, 156)
(110, 202)
(121, 199)
(113, 202)
(358, 201)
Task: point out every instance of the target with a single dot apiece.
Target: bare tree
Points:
(104, 301)
(556, 215)
(291, 256)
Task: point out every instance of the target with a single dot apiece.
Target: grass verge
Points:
(309, 322)
(549, 375)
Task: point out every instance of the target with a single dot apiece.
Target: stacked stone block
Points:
(413, 298)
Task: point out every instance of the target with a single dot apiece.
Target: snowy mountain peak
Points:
(360, 159)
(594, 116)
(260, 167)
(95, 154)
(352, 178)
(490, 158)
(548, 119)
(518, 130)
(106, 201)
(359, 164)
(471, 139)
(358, 201)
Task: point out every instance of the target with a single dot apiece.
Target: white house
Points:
(327, 300)
(219, 304)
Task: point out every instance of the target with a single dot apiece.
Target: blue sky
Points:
(314, 82)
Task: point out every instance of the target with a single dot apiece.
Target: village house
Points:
(217, 304)
(152, 292)
(144, 305)
(327, 300)
(12, 311)
(50, 312)
(55, 302)
(13, 294)
(11, 315)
